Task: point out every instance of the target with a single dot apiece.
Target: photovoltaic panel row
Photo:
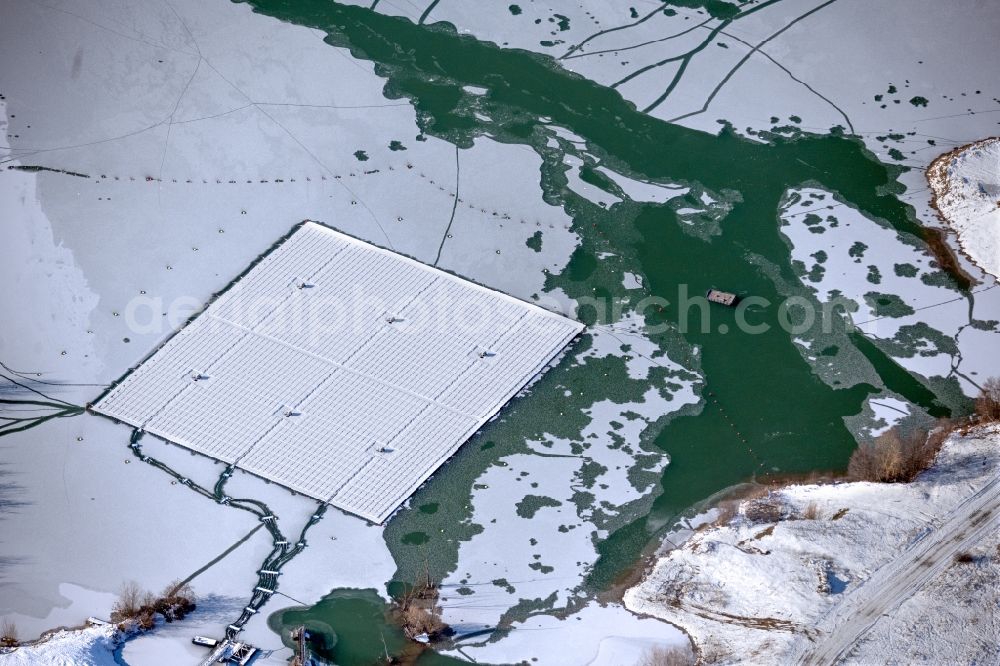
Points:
(148, 389)
(246, 395)
(389, 478)
(452, 307)
(277, 277)
(350, 301)
(338, 427)
(520, 352)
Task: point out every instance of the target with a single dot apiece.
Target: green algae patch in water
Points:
(416, 538)
(897, 379)
(347, 627)
(529, 505)
(535, 241)
(351, 627)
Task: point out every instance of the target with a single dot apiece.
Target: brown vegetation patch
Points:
(988, 402)
(765, 510)
(897, 457)
(418, 613)
(137, 607)
(965, 557)
(945, 257)
(667, 656)
(937, 178)
(811, 512)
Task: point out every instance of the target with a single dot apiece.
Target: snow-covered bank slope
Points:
(831, 572)
(92, 646)
(966, 184)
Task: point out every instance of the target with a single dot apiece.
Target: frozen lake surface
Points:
(169, 145)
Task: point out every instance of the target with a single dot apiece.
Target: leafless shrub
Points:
(894, 457)
(8, 633)
(674, 655)
(139, 607)
(419, 620)
(729, 507)
(764, 510)
(176, 601)
(417, 612)
(988, 402)
(131, 598)
(146, 619)
(965, 557)
(672, 593)
(940, 432)
(811, 512)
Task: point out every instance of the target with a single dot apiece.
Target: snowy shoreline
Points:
(857, 563)
(94, 645)
(965, 185)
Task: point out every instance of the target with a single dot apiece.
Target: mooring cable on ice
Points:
(282, 552)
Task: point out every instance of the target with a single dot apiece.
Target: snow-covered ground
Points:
(966, 184)
(867, 573)
(90, 646)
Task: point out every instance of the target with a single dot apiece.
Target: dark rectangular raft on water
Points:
(721, 297)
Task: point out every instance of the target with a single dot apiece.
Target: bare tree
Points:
(988, 402)
(140, 607)
(8, 633)
(895, 457)
(131, 599)
(176, 601)
(418, 612)
(179, 590)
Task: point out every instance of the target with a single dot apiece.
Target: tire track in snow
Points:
(900, 579)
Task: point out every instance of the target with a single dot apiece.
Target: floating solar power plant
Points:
(340, 370)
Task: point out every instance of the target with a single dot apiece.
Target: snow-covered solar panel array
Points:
(340, 370)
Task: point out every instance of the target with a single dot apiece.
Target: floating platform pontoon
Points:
(381, 358)
(721, 297)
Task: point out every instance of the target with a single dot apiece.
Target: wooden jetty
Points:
(242, 653)
(229, 651)
(301, 658)
(721, 297)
